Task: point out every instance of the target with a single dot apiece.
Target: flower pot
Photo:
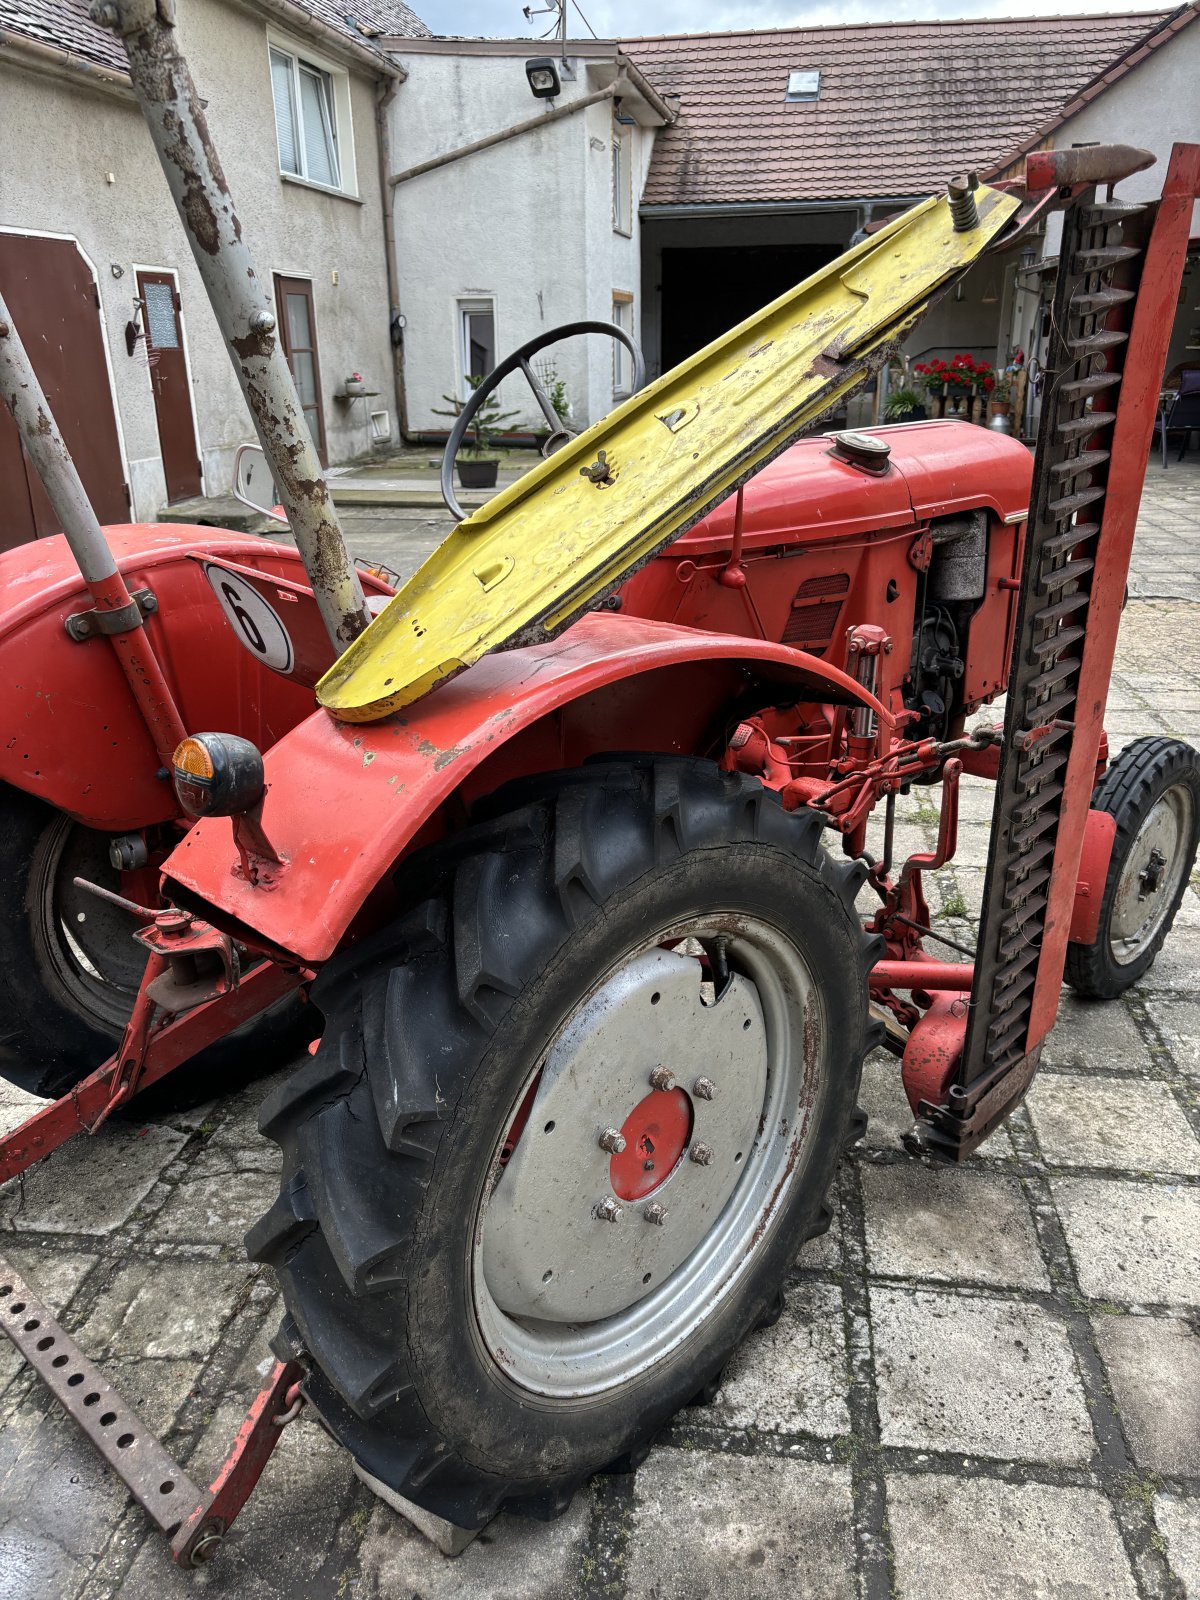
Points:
(475, 472)
(352, 388)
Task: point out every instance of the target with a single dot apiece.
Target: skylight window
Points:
(803, 85)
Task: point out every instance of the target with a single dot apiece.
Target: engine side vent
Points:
(816, 606)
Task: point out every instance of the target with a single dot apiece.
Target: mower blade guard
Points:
(553, 545)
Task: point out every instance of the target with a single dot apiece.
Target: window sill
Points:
(321, 188)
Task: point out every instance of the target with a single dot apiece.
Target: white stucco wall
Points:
(527, 223)
(71, 138)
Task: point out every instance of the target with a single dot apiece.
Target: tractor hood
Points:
(934, 470)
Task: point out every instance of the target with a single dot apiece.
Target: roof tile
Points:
(902, 105)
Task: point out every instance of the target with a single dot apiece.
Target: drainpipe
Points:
(513, 132)
(383, 101)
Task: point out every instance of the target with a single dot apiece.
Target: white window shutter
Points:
(285, 112)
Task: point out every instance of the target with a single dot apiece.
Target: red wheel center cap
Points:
(656, 1132)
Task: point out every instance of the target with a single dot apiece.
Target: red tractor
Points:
(582, 929)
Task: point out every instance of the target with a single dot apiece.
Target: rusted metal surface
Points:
(148, 1470)
(1084, 164)
(194, 1519)
(39, 432)
(175, 116)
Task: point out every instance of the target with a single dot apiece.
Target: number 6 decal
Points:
(256, 622)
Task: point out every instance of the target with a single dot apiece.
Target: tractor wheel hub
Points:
(566, 1236)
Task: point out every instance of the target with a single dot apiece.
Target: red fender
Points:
(1099, 832)
(345, 801)
(70, 730)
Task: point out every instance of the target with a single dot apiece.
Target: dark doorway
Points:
(169, 380)
(707, 291)
(54, 303)
(298, 327)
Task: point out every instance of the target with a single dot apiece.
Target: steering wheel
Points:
(520, 359)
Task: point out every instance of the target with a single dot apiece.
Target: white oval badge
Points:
(256, 622)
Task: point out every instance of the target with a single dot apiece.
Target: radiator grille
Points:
(815, 612)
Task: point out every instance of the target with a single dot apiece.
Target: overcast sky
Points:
(614, 18)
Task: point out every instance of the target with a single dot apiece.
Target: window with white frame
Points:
(622, 180)
(476, 340)
(622, 315)
(306, 118)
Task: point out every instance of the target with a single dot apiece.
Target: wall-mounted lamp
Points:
(544, 82)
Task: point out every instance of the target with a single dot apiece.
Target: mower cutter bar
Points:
(195, 1520)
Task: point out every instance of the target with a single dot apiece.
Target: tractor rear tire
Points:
(1152, 789)
(468, 1290)
(69, 970)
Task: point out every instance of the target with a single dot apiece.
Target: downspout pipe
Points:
(175, 116)
(513, 132)
(383, 103)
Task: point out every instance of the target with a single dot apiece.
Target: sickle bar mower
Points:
(595, 997)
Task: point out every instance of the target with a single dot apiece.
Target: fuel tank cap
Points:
(862, 450)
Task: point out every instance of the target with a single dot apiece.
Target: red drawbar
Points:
(656, 1133)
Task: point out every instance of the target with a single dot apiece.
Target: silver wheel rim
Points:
(1152, 874)
(88, 959)
(566, 1356)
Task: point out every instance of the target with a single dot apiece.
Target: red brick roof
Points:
(65, 25)
(902, 105)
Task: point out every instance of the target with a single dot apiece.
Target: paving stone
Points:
(165, 1308)
(978, 1376)
(1179, 1021)
(1111, 1122)
(791, 1378)
(90, 1185)
(824, 1253)
(512, 1557)
(1154, 1366)
(1098, 1035)
(950, 1224)
(15, 1106)
(740, 1528)
(1132, 1242)
(982, 1540)
(1175, 968)
(888, 1116)
(54, 1276)
(1179, 1523)
(217, 1207)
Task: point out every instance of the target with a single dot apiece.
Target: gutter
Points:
(46, 58)
(372, 60)
(740, 208)
(512, 132)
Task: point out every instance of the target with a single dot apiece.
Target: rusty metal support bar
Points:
(175, 116)
(117, 614)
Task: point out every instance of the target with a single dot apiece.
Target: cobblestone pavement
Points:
(986, 1381)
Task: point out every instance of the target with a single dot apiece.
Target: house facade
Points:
(497, 245)
(98, 273)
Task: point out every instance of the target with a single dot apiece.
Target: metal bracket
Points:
(195, 1520)
(81, 625)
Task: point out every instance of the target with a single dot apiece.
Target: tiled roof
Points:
(902, 107)
(65, 25)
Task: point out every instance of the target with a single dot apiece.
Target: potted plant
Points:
(931, 375)
(1001, 404)
(903, 405)
(354, 384)
(477, 469)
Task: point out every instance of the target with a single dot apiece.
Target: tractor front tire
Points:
(571, 1119)
(70, 969)
(1152, 789)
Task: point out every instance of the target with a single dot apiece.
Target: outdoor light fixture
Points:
(543, 78)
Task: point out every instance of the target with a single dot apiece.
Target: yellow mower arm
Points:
(552, 545)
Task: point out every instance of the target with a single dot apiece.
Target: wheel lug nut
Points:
(612, 1141)
(704, 1089)
(656, 1214)
(607, 1210)
(701, 1154)
(662, 1078)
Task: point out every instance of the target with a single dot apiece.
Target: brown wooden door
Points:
(56, 308)
(169, 379)
(298, 329)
